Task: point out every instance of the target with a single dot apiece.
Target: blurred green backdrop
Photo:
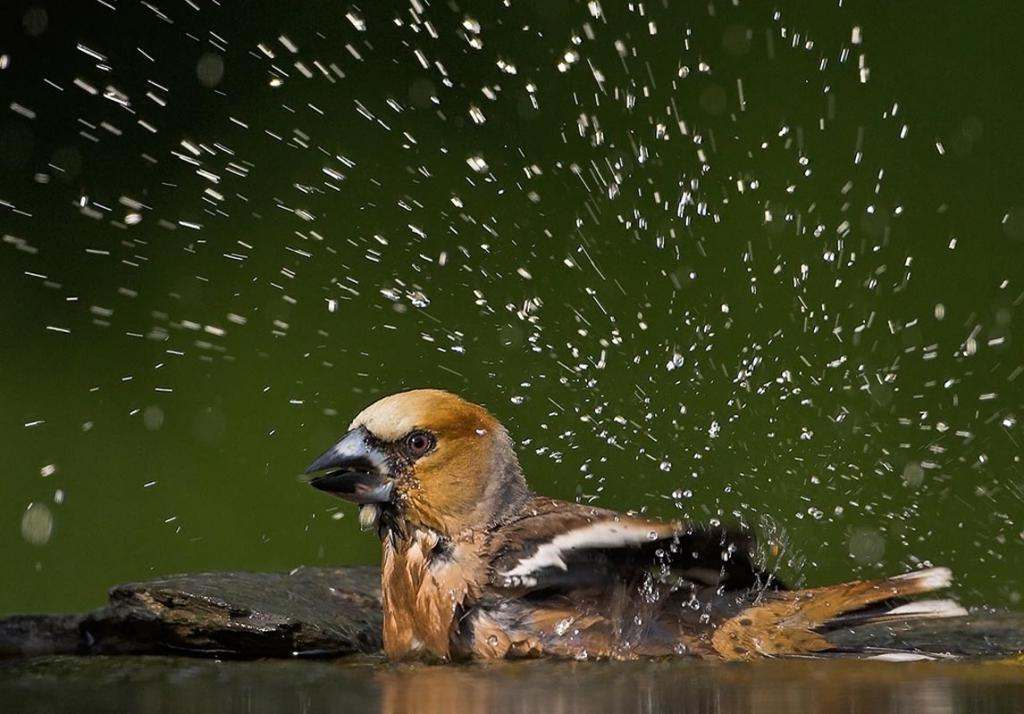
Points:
(735, 260)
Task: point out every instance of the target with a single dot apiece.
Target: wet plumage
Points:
(476, 565)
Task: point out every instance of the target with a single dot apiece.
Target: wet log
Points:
(312, 612)
(984, 633)
(324, 612)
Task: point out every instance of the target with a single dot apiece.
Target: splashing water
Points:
(746, 260)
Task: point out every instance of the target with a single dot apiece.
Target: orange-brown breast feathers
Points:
(423, 591)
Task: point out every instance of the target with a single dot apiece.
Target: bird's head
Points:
(425, 457)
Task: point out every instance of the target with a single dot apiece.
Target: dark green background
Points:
(855, 429)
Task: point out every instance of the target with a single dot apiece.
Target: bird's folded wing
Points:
(558, 545)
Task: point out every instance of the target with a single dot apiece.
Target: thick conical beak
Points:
(354, 469)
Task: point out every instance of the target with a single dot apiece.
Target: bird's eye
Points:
(419, 443)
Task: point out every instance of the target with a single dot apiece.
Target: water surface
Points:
(155, 685)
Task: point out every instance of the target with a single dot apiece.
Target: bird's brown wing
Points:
(571, 580)
(555, 545)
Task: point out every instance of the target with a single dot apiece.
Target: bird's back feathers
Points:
(567, 579)
(551, 543)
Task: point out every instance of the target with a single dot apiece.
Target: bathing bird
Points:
(476, 565)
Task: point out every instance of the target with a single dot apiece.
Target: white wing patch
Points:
(929, 578)
(597, 535)
(930, 608)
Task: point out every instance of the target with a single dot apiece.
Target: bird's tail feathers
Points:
(797, 622)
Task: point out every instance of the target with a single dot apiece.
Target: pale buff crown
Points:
(394, 416)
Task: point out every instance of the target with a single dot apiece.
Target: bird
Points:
(475, 565)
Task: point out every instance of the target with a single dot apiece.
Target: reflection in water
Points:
(705, 689)
(157, 684)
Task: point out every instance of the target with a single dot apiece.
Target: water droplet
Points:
(418, 299)
(913, 474)
(478, 164)
(665, 466)
(153, 417)
(37, 524)
(210, 69)
(866, 545)
(357, 20)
